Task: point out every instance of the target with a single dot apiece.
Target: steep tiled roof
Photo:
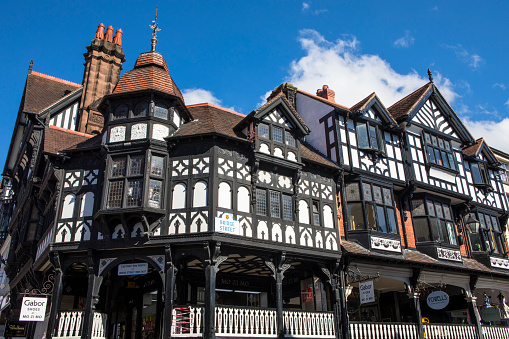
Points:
(43, 90)
(472, 151)
(212, 119)
(57, 139)
(363, 102)
(150, 72)
(405, 105)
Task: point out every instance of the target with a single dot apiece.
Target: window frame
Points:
(370, 129)
(433, 151)
(375, 206)
(490, 235)
(268, 202)
(156, 178)
(483, 181)
(125, 178)
(288, 142)
(443, 224)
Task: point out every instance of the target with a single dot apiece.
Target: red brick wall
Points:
(405, 226)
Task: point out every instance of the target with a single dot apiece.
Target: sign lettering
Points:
(33, 309)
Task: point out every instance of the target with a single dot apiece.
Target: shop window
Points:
(126, 172)
(369, 137)
(373, 210)
(433, 221)
(439, 151)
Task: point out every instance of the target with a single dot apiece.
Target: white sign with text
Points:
(367, 292)
(133, 269)
(437, 300)
(226, 224)
(33, 309)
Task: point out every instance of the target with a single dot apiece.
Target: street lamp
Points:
(472, 224)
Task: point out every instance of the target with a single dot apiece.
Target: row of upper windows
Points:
(276, 134)
(142, 109)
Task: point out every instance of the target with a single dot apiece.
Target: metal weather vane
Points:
(155, 28)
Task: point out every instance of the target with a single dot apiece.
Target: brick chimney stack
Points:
(103, 64)
(326, 93)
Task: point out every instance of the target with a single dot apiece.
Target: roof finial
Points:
(430, 76)
(155, 29)
(30, 67)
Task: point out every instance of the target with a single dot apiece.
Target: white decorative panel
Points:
(385, 244)
(499, 263)
(201, 165)
(138, 131)
(318, 239)
(117, 134)
(159, 132)
(137, 230)
(177, 223)
(328, 217)
(264, 148)
(284, 181)
(179, 167)
(290, 235)
(303, 212)
(63, 233)
(179, 196)
(200, 194)
(87, 205)
(278, 152)
(447, 254)
(291, 156)
(331, 242)
(243, 201)
(118, 232)
(68, 206)
(277, 233)
(225, 195)
(263, 230)
(199, 222)
(176, 118)
(265, 177)
(82, 232)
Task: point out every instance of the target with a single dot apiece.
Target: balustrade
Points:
(365, 330)
(450, 331)
(69, 325)
(491, 332)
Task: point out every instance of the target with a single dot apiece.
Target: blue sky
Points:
(232, 53)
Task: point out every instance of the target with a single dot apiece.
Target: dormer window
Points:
(161, 111)
(439, 151)
(141, 110)
(480, 174)
(263, 131)
(369, 137)
(289, 140)
(121, 112)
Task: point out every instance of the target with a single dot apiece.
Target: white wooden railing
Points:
(450, 331)
(369, 330)
(491, 332)
(70, 325)
(253, 322)
(246, 322)
(187, 321)
(309, 324)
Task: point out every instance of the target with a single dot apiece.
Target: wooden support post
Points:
(278, 269)
(169, 287)
(56, 297)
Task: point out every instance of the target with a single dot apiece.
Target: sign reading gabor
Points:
(367, 292)
(33, 309)
(437, 300)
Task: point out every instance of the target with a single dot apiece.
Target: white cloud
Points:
(405, 41)
(507, 102)
(472, 60)
(305, 6)
(353, 75)
(495, 133)
(502, 86)
(199, 95)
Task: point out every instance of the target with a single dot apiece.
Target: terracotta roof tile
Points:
(57, 139)
(310, 154)
(403, 107)
(362, 103)
(150, 72)
(472, 151)
(43, 90)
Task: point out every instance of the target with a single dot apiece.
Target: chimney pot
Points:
(99, 34)
(109, 34)
(326, 93)
(117, 39)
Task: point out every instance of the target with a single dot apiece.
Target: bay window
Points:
(126, 181)
(433, 221)
(491, 234)
(371, 208)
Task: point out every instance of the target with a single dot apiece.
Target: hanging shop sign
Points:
(490, 314)
(33, 309)
(367, 292)
(226, 224)
(437, 300)
(133, 269)
(15, 329)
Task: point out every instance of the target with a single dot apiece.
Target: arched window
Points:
(225, 195)
(68, 206)
(243, 201)
(121, 112)
(179, 196)
(87, 205)
(161, 111)
(141, 110)
(303, 212)
(328, 217)
(200, 194)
